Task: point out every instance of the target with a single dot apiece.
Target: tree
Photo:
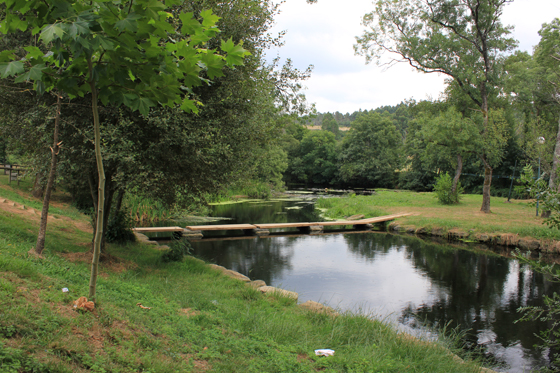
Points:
(448, 136)
(115, 53)
(462, 39)
(316, 161)
(547, 58)
(370, 152)
(330, 124)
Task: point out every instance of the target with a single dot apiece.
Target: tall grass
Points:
(250, 189)
(145, 210)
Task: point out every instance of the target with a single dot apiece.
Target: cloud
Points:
(323, 35)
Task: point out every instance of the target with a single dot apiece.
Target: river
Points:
(414, 283)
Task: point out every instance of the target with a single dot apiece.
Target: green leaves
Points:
(35, 73)
(129, 23)
(50, 32)
(11, 68)
(131, 57)
(209, 19)
(235, 53)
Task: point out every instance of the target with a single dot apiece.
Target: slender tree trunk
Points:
(487, 169)
(40, 245)
(38, 190)
(486, 188)
(458, 171)
(100, 190)
(120, 196)
(554, 171)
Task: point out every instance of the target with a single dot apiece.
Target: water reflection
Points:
(405, 279)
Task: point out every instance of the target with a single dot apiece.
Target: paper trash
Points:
(325, 352)
(65, 290)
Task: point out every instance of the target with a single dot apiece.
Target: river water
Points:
(414, 283)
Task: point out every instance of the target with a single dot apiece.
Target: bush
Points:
(442, 188)
(178, 248)
(119, 228)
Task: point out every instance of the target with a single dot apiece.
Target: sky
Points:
(323, 35)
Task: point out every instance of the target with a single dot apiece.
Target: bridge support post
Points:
(314, 229)
(260, 232)
(384, 225)
(188, 233)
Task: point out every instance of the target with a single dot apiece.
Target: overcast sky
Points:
(323, 35)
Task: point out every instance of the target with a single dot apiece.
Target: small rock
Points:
(217, 267)
(421, 231)
(439, 232)
(318, 307)
(457, 234)
(257, 284)
(528, 244)
(356, 217)
(483, 237)
(285, 293)
(236, 275)
(508, 239)
(410, 230)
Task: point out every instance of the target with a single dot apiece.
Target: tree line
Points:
(500, 106)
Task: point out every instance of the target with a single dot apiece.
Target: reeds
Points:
(145, 210)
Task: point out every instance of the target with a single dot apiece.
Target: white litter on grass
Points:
(65, 290)
(325, 352)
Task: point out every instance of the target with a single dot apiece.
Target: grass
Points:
(516, 217)
(199, 319)
(22, 194)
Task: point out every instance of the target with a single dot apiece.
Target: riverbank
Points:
(511, 224)
(163, 317)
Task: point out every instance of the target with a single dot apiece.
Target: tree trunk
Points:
(100, 190)
(109, 192)
(486, 188)
(120, 196)
(40, 245)
(458, 171)
(554, 171)
(487, 169)
(38, 190)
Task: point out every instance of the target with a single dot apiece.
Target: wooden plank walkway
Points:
(378, 219)
(157, 229)
(195, 231)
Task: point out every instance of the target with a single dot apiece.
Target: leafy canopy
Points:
(138, 53)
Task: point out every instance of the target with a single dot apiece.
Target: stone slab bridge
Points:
(196, 231)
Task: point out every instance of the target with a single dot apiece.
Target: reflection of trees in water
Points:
(259, 258)
(368, 246)
(478, 298)
(267, 212)
(472, 289)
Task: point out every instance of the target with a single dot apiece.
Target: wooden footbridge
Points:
(196, 231)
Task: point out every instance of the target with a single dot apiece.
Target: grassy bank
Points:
(198, 321)
(516, 217)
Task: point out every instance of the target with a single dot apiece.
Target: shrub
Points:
(442, 188)
(119, 228)
(178, 248)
